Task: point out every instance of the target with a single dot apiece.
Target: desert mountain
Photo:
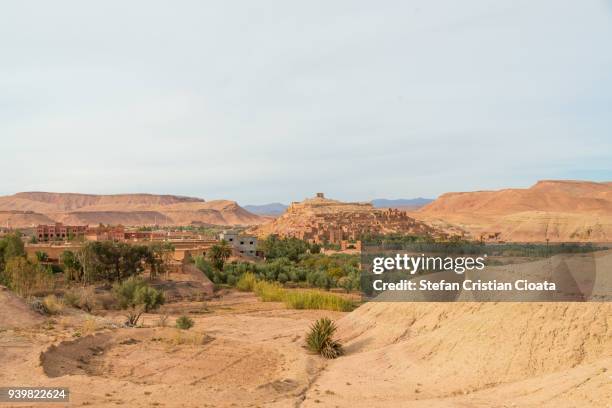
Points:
(27, 209)
(320, 219)
(557, 210)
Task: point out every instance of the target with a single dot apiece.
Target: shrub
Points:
(137, 297)
(303, 299)
(26, 278)
(317, 300)
(82, 298)
(52, 305)
(205, 266)
(269, 292)
(320, 339)
(184, 323)
(193, 339)
(246, 282)
(89, 326)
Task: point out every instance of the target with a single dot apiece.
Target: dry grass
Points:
(246, 283)
(163, 320)
(182, 338)
(82, 298)
(53, 305)
(89, 326)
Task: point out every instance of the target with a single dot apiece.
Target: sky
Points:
(276, 100)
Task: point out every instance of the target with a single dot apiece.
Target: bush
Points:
(184, 323)
(246, 282)
(317, 300)
(269, 292)
(26, 278)
(89, 326)
(302, 299)
(52, 305)
(205, 266)
(137, 297)
(320, 339)
(82, 298)
(193, 339)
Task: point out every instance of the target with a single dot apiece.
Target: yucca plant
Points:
(320, 339)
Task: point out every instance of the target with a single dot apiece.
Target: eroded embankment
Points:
(435, 351)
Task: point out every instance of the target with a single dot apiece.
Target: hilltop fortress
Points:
(320, 220)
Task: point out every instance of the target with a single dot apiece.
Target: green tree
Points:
(72, 267)
(12, 246)
(113, 261)
(158, 257)
(137, 298)
(219, 253)
(25, 277)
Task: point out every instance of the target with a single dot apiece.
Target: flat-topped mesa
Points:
(553, 210)
(321, 219)
(126, 209)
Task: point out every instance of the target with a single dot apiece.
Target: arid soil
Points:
(241, 352)
(557, 210)
(246, 353)
(25, 209)
(471, 355)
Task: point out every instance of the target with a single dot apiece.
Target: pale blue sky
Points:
(275, 100)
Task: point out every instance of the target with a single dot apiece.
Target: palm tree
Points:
(219, 253)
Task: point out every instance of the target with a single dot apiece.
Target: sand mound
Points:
(15, 312)
(440, 351)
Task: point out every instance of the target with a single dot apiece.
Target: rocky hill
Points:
(320, 219)
(557, 210)
(32, 208)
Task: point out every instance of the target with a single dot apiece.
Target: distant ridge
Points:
(30, 208)
(555, 210)
(406, 203)
(272, 209)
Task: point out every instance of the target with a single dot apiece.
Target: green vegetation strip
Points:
(294, 299)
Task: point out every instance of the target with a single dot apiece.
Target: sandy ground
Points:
(245, 353)
(248, 353)
(471, 355)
